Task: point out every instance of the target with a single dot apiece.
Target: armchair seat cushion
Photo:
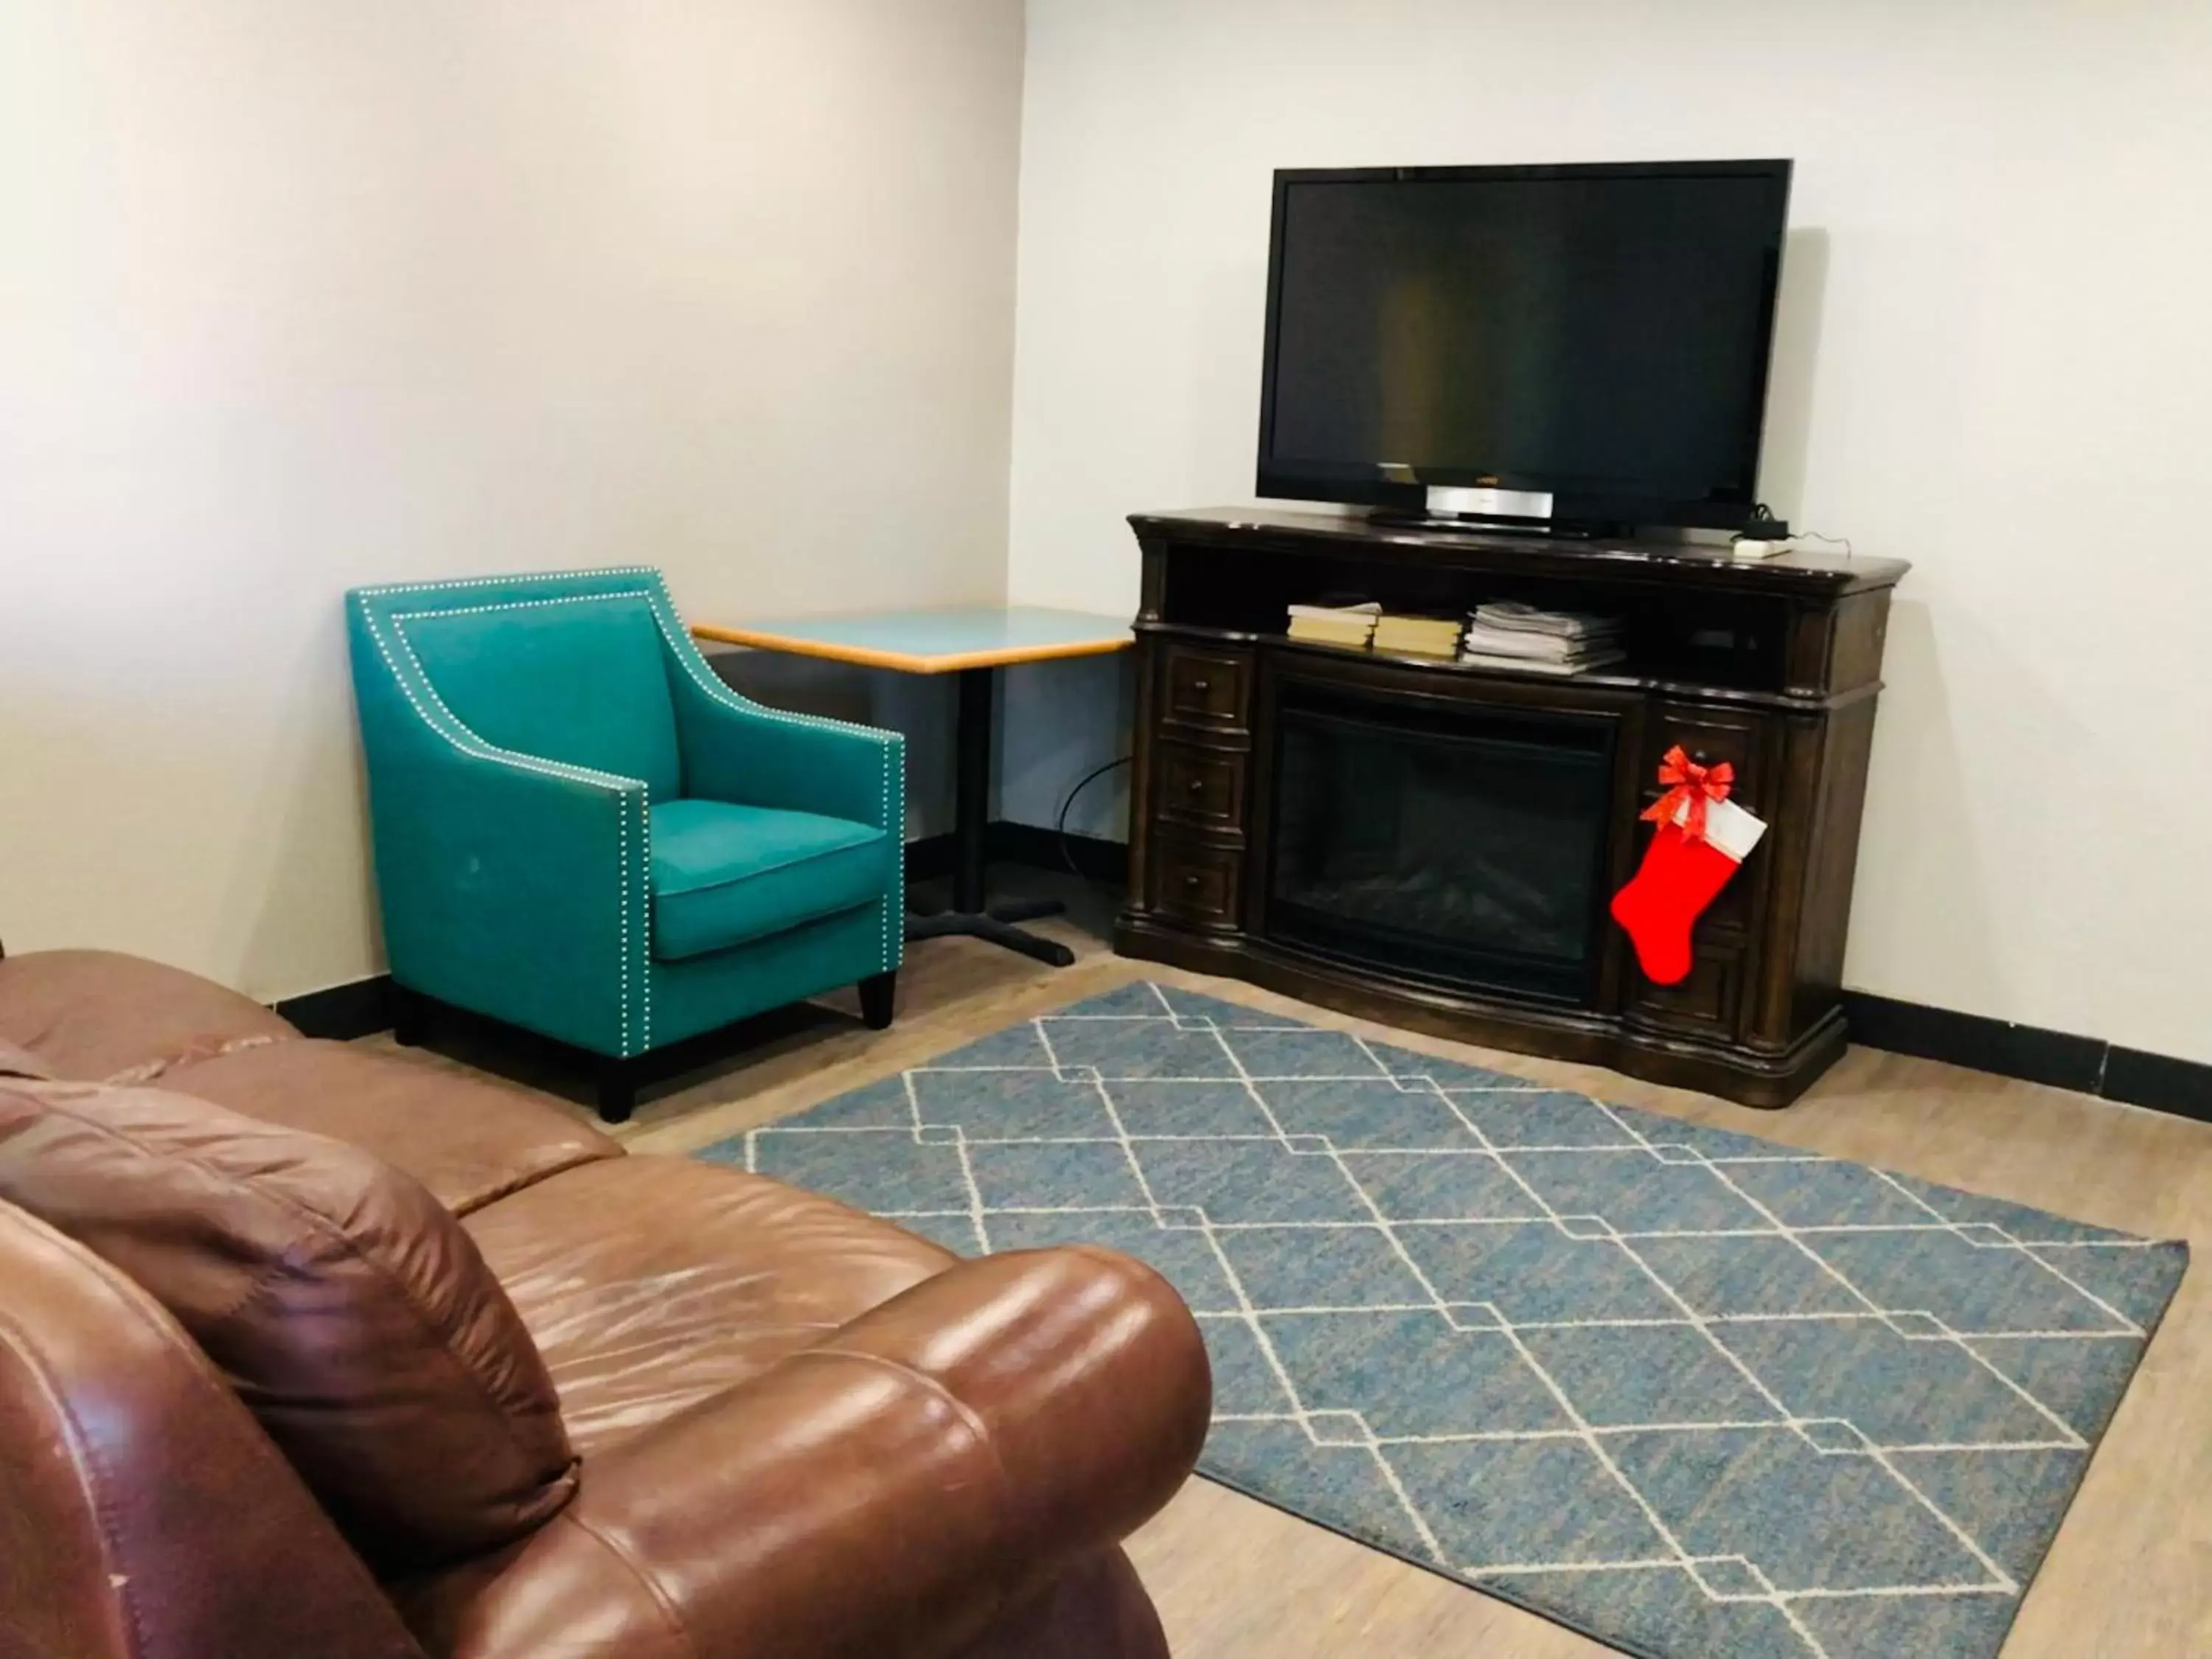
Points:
(723, 874)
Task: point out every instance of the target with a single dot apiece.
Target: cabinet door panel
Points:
(1703, 1005)
(1710, 736)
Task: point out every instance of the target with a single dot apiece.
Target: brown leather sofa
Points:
(790, 1429)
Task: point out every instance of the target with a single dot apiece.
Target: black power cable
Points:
(1765, 527)
(1060, 824)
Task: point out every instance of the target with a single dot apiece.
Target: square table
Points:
(972, 644)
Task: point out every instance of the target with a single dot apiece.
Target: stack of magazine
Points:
(1510, 634)
(1352, 625)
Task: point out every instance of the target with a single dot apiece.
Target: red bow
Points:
(1693, 784)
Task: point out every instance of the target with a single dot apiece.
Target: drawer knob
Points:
(1198, 786)
(1190, 880)
(1199, 684)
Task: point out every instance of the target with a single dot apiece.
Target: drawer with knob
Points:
(1200, 787)
(1710, 736)
(1210, 689)
(1195, 883)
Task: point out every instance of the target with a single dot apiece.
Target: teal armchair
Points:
(580, 829)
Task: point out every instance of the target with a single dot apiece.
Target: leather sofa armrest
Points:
(886, 1493)
(144, 1513)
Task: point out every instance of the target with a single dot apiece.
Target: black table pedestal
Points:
(972, 916)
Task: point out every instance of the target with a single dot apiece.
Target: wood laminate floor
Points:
(2130, 1576)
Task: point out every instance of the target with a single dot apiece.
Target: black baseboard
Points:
(929, 859)
(343, 1012)
(2160, 1082)
(2089, 1064)
(1096, 858)
(2028, 1052)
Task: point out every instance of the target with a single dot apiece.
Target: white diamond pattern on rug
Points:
(1696, 1395)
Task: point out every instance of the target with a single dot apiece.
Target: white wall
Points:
(296, 294)
(1996, 360)
(299, 293)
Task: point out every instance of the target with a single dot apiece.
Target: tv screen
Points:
(1599, 334)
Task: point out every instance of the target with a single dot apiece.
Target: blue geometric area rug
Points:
(1697, 1395)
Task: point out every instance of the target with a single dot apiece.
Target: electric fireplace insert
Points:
(1459, 844)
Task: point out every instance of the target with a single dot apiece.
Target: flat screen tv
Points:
(1568, 346)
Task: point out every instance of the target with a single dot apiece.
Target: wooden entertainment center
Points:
(1773, 666)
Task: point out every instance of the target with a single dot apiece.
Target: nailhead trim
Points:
(622, 888)
(645, 593)
(506, 582)
(895, 832)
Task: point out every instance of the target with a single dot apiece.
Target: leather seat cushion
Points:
(90, 1014)
(16, 1060)
(469, 1140)
(352, 1314)
(688, 1279)
(723, 874)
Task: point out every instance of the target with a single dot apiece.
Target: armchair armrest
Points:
(887, 1493)
(521, 890)
(736, 749)
(517, 886)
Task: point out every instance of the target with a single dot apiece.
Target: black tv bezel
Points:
(1573, 501)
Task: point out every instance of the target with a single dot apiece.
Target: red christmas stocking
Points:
(1680, 875)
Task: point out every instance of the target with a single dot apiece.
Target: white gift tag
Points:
(1728, 826)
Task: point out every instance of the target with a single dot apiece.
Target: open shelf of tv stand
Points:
(1618, 675)
(1774, 666)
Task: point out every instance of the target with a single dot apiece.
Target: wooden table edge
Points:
(869, 656)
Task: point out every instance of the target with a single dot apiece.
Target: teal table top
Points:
(934, 642)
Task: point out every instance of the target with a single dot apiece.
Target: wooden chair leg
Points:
(879, 992)
(614, 1082)
(411, 1016)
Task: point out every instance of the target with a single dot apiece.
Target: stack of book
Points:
(1510, 634)
(1418, 636)
(1335, 624)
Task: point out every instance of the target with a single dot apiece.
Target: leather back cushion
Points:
(352, 1314)
(580, 680)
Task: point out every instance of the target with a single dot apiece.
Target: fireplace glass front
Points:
(1456, 845)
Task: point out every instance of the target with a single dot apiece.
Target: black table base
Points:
(972, 916)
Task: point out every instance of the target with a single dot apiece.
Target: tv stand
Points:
(1348, 827)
